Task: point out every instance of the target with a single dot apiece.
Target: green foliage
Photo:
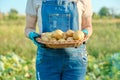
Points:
(17, 53)
(117, 16)
(13, 11)
(104, 11)
(12, 67)
(13, 14)
(105, 69)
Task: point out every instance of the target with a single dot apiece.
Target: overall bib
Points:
(64, 63)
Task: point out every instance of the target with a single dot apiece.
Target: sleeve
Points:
(30, 8)
(87, 8)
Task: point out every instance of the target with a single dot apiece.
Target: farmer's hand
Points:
(85, 31)
(33, 36)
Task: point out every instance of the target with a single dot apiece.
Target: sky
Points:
(19, 5)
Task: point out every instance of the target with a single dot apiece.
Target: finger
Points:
(77, 44)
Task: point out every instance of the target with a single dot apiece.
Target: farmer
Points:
(65, 63)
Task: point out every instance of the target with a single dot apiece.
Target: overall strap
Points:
(61, 2)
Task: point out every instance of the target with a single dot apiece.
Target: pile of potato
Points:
(60, 36)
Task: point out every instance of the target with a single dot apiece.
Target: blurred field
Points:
(12, 38)
(103, 44)
(105, 38)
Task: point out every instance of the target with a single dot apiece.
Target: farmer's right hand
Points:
(33, 36)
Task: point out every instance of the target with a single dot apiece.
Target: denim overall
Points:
(64, 63)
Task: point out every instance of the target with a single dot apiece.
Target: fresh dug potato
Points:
(78, 35)
(70, 33)
(58, 34)
(65, 36)
(70, 39)
(61, 40)
(53, 40)
(48, 35)
(44, 38)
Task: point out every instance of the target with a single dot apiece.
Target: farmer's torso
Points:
(63, 15)
(58, 14)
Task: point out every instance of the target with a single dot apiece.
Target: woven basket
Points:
(64, 44)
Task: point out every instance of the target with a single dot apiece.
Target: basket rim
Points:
(59, 43)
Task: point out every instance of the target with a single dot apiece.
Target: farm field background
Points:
(17, 53)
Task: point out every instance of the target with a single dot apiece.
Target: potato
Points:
(78, 35)
(53, 40)
(44, 38)
(65, 36)
(70, 39)
(58, 34)
(70, 33)
(61, 40)
(48, 35)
